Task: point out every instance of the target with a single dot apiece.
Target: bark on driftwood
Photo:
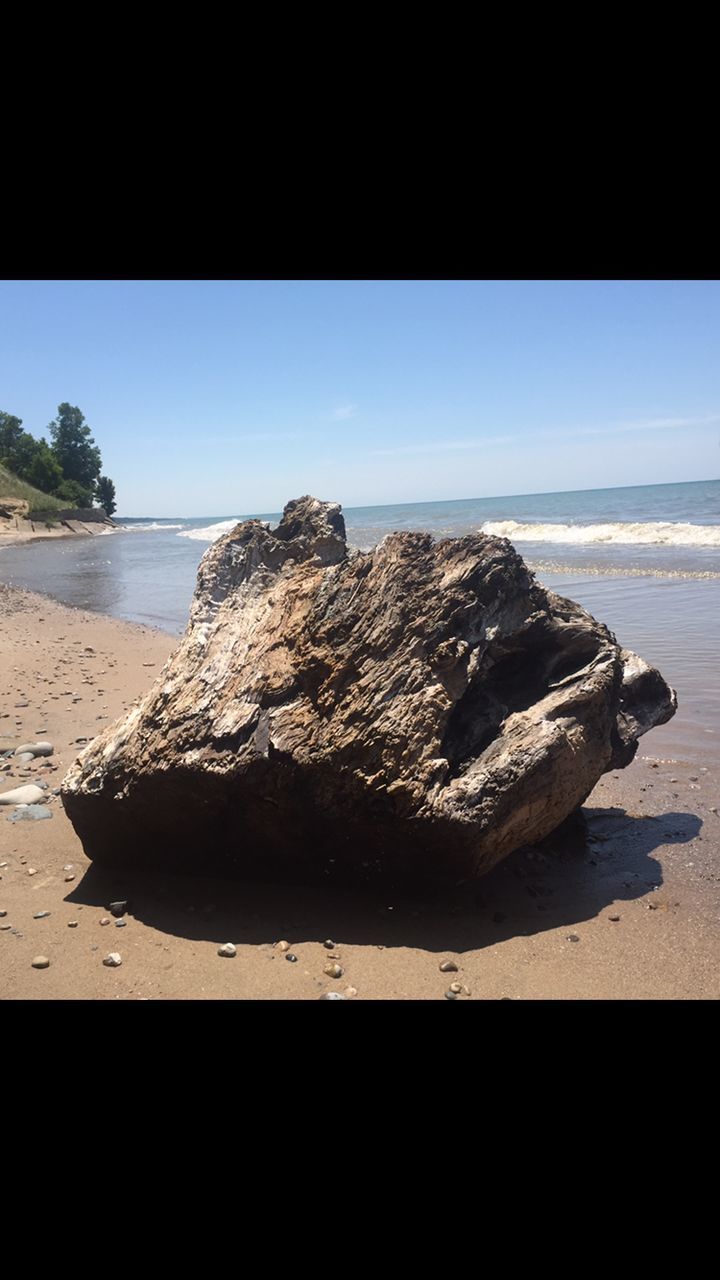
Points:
(424, 708)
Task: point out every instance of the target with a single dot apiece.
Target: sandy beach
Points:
(628, 908)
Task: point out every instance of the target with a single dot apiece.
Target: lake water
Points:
(644, 560)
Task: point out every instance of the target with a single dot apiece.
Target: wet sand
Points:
(540, 926)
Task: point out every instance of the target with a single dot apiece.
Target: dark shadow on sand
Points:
(597, 859)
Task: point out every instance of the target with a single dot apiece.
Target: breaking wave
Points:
(210, 532)
(145, 528)
(650, 533)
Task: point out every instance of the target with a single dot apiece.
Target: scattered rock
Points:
(34, 749)
(32, 871)
(118, 908)
(41, 915)
(30, 813)
(329, 944)
(351, 992)
(227, 949)
(41, 962)
(333, 971)
(448, 966)
(573, 937)
(456, 987)
(450, 994)
(29, 794)
(121, 924)
(105, 920)
(3, 914)
(69, 879)
(284, 945)
(113, 960)
(292, 958)
(333, 995)
(73, 924)
(614, 919)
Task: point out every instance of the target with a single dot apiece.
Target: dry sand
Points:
(629, 909)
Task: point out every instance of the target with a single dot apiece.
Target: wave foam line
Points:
(651, 533)
(147, 528)
(210, 532)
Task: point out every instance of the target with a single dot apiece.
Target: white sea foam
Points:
(210, 532)
(149, 527)
(647, 533)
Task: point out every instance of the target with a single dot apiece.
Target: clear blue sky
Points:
(222, 398)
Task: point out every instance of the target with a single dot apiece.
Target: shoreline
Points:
(540, 926)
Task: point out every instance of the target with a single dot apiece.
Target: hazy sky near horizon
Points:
(228, 397)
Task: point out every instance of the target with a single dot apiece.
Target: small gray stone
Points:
(41, 962)
(614, 919)
(448, 966)
(73, 924)
(5, 926)
(69, 878)
(333, 995)
(40, 915)
(227, 949)
(3, 913)
(329, 944)
(333, 971)
(30, 813)
(118, 908)
(121, 924)
(291, 957)
(450, 995)
(112, 960)
(573, 937)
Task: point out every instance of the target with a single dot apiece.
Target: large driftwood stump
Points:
(425, 708)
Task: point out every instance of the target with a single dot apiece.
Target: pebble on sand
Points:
(29, 794)
(333, 971)
(112, 960)
(283, 945)
(40, 915)
(333, 995)
(34, 749)
(227, 949)
(329, 944)
(73, 924)
(41, 962)
(448, 966)
(118, 908)
(105, 920)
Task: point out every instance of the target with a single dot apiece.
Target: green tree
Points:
(11, 433)
(76, 495)
(105, 493)
(43, 470)
(74, 447)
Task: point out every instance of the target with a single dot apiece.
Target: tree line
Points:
(68, 468)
